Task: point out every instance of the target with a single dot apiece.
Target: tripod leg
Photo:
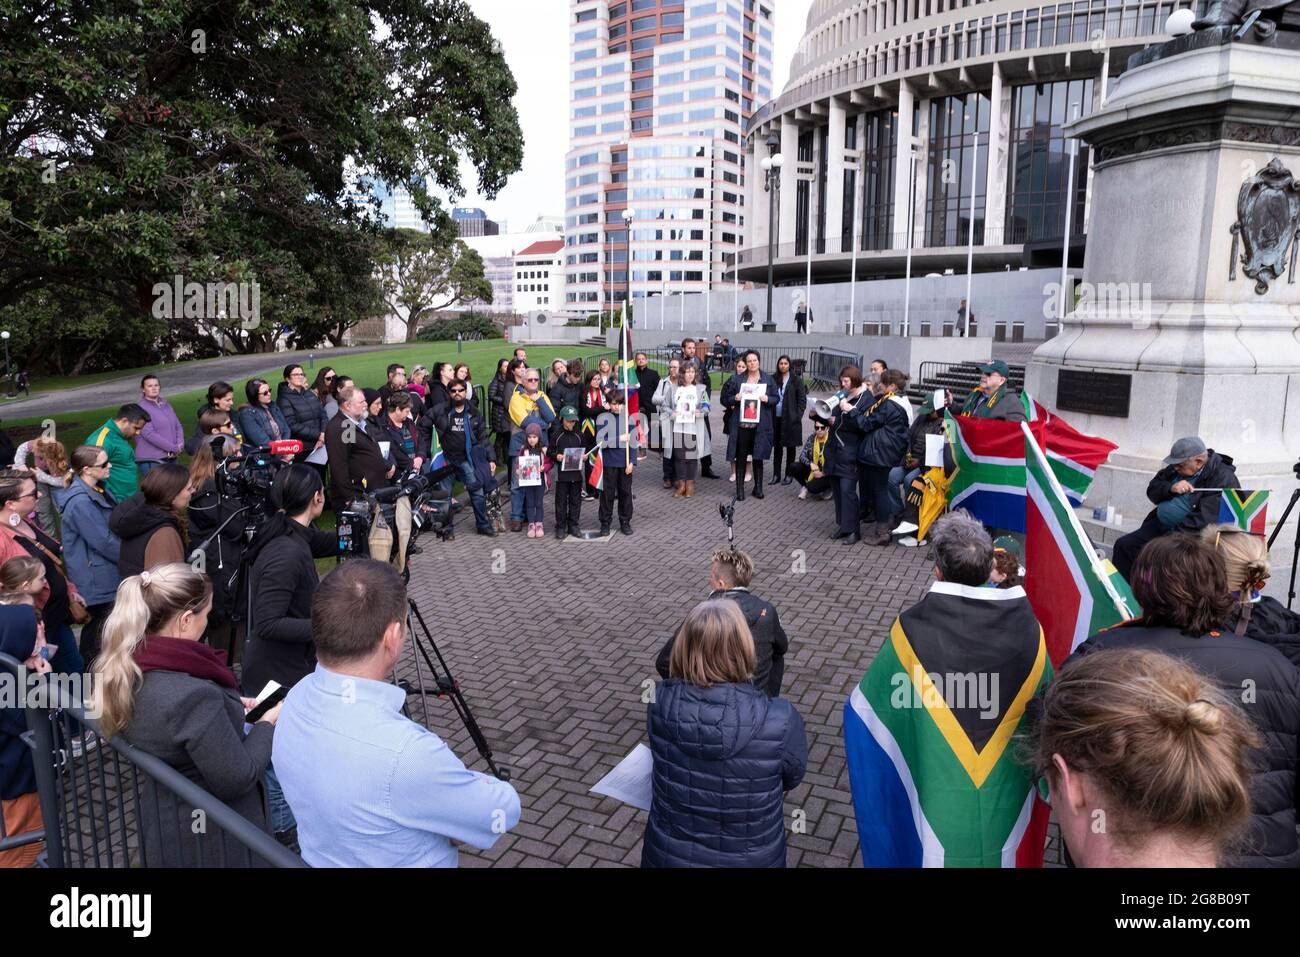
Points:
(419, 678)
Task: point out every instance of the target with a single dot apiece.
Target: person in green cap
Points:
(114, 437)
(994, 399)
(568, 482)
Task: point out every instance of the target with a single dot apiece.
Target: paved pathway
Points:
(177, 378)
(554, 645)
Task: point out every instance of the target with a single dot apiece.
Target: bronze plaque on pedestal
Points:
(1095, 393)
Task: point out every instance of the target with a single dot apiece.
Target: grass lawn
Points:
(368, 369)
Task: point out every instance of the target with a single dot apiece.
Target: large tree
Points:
(219, 140)
(426, 272)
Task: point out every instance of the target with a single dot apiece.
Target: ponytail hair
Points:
(82, 458)
(55, 456)
(1245, 562)
(145, 603)
(1167, 749)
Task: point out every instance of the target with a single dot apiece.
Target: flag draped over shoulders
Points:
(931, 731)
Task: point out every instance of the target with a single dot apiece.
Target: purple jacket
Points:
(161, 434)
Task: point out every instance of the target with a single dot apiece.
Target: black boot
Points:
(740, 484)
(706, 467)
(758, 479)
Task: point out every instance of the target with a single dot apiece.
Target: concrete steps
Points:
(962, 378)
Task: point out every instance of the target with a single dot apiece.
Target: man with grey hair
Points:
(1179, 507)
(926, 730)
(962, 549)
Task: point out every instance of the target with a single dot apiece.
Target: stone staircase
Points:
(595, 341)
(961, 378)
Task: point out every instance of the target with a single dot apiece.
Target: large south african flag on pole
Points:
(1074, 593)
(627, 377)
(929, 734)
(1074, 456)
(989, 458)
(1244, 508)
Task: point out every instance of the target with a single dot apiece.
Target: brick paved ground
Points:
(554, 644)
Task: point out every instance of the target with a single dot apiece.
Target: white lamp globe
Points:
(1180, 22)
(778, 160)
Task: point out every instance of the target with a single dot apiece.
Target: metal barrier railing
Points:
(106, 803)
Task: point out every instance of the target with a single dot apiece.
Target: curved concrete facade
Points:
(972, 96)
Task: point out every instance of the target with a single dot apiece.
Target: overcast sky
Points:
(535, 36)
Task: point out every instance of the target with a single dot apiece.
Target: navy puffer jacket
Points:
(723, 759)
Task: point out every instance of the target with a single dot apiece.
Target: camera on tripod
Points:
(381, 509)
(246, 476)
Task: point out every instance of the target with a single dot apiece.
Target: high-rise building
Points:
(471, 221)
(396, 205)
(660, 92)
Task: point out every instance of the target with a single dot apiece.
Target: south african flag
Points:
(1244, 508)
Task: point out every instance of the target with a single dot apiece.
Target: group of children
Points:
(536, 455)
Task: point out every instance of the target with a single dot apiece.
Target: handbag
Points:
(77, 612)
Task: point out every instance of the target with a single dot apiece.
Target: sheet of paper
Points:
(384, 447)
(318, 456)
(934, 451)
(629, 782)
(940, 398)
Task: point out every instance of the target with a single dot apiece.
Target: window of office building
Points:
(954, 121)
(1038, 161)
(879, 157)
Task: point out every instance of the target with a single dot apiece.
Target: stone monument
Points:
(1196, 203)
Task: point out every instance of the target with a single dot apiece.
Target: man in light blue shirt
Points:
(369, 787)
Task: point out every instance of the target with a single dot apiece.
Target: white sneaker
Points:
(87, 741)
(803, 493)
(904, 528)
(910, 542)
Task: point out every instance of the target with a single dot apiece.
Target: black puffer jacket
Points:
(723, 759)
(304, 413)
(499, 391)
(1218, 472)
(208, 512)
(1274, 624)
(884, 424)
(1241, 664)
(770, 640)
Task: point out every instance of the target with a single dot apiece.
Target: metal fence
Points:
(818, 366)
(109, 804)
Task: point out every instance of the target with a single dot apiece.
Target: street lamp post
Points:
(628, 216)
(11, 392)
(772, 186)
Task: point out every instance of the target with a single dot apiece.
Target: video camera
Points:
(247, 475)
(379, 509)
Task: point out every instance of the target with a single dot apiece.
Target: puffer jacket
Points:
(499, 391)
(884, 426)
(1242, 663)
(1272, 623)
(1218, 472)
(723, 759)
(304, 414)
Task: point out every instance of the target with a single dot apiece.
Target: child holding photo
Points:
(528, 469)
(569, 481)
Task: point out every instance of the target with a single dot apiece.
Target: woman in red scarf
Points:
(172, 696)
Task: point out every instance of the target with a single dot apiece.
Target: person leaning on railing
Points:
(167, 693)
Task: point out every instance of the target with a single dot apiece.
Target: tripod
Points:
(1295, 548)
(445, 684)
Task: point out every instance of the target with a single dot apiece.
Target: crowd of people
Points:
(1146, 720)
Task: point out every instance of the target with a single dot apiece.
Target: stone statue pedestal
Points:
(1201, 353)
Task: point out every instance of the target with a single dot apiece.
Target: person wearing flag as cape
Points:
(930, 732)
(994, 399)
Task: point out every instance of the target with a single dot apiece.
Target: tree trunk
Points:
(85, 357)
(412, 327)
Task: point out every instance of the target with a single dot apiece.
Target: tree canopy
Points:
(220, 142)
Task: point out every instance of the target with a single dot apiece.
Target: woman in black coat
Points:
(751, 440)
(169, 694)
(217, 526)
(842, 444)
(884, 426)
(787, 419)
(1180, 584)
(499, 391)
(724, 753)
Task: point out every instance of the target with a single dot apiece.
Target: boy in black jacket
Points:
(568, 484)
(618, 455)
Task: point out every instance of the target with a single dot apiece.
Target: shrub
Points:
(465, 324)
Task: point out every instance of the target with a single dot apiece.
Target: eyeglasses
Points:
(265, 392)
(106, 464)
(457, 391)
(329, 378)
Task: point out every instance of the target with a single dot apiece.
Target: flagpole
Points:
(625, 355)
(970, 245)
(1065, 243)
